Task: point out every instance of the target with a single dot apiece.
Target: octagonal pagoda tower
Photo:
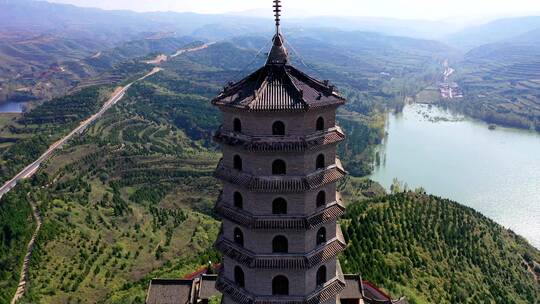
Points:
(279, 204)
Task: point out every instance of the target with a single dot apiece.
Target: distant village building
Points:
(279, 238)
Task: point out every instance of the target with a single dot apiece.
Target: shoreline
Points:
(474, 118)
(437, 161)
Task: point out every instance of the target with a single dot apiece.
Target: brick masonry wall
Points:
(261, 203)
(260, 164)
(259, 281)
(296, 123)
(260, 241)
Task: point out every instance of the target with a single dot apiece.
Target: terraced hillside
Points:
(25, 137)
(131, 199)
(38, 68)
(121, 205)
(501, 83)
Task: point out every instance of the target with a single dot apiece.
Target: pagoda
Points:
(280, 238)
(279, 205)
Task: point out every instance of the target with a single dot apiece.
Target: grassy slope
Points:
(436, 251)
(110, 223)
(28, 136)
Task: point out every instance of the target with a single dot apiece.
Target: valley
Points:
(114, 152)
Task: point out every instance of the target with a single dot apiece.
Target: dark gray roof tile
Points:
(165, 291)
(279, 88)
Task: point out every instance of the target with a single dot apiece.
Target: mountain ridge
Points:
(495, 31)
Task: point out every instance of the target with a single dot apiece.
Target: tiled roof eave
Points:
(276, 144)
(281, 184)
(308, 108)
(329, 213)
(307, 260)
(279, 89)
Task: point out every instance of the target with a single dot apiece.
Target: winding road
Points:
(194, 49)
(31, 169)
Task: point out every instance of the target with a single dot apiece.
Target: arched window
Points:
(321, 236)
(237, 125)
(238, 237)
(320, 164)
(321, 199)
(280, 244)
(278, 128)
(279, 206)
(321, 276)
(320, 124)
(238, 200)
(239, 277)
(280, 286)
(279, 167)
(237, 163)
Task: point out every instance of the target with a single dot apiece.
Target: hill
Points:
(112, 26)
(45, 45)
(47, 66)
(434, 250)
(498, 75)
(495, 31)
(128, 201)
(501, 82)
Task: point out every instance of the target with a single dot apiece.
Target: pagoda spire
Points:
(277, 14)
(278, 55)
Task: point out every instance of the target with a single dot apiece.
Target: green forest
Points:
(32, 133)
(433, 250)
(16, 228)
(129, 201)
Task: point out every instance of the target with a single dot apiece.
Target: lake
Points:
(12, 107)
(496, 172)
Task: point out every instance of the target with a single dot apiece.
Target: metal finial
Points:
(277, 14)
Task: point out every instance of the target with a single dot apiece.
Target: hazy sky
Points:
(410, 9)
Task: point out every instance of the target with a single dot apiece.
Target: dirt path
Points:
(24, 272)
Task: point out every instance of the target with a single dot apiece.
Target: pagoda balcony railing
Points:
(320, 254)
(281, 184)
(323, 293)
(272, 143)
(329, 212)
